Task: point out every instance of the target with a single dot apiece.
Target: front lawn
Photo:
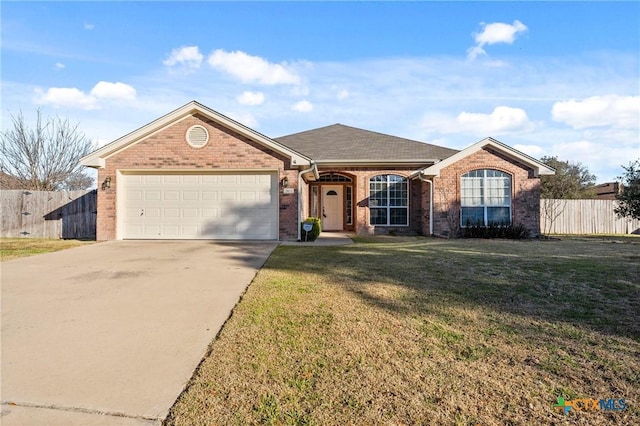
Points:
(428, 331)
(13, 248)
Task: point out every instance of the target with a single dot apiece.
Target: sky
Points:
(547, 78)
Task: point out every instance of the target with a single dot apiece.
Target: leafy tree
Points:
(571, 181)
(629, 197)
(45, 157)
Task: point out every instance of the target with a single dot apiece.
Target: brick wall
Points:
(361, 176)
(168, 149)
(525, 191)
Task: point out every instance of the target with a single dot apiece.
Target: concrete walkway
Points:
(110, 333)
(325, 239)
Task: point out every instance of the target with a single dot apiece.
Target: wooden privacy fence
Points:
(44, 214)
(584, 217)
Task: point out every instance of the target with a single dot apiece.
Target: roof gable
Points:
(97, 158)
(340, 143)
(539, 168)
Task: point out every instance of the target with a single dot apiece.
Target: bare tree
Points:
(449, 210)
(552, 209)
(45, 158)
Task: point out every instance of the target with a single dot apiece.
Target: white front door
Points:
(332, 210)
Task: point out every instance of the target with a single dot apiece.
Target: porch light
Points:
(285, 182)
(107, 183)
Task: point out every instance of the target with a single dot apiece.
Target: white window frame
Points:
(486, 190)
(388, 207)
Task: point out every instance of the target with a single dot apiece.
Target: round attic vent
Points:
(197, 136)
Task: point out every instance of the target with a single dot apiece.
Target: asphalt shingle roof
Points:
(340, 142)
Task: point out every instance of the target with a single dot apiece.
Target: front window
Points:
(349, 208)
(486, 198)
(388, 200)
(314, 202)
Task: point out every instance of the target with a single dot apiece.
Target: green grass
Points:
(13, 248)
(427, 331)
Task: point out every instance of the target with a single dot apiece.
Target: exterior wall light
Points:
(285, 182)
(107, 183)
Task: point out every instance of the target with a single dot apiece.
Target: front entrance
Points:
(332, 208)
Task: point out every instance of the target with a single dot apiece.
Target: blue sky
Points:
(549, 78)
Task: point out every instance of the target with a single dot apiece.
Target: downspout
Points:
(430, 202)
(313, 169)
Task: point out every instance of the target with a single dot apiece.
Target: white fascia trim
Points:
(313, 169)
(196, 171)
(316, 175)
(96, 158)
(376, 163)
(538, 167)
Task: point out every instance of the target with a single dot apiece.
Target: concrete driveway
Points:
(110, 333)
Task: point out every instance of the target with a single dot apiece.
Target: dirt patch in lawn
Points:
(428, 331)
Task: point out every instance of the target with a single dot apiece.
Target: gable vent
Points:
(197, 136)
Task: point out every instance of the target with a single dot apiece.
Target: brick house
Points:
(196, 174)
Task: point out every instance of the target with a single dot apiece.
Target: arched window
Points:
(333, 177)
(485, 198)
(388, 200)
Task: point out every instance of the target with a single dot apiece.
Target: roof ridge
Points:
(386, 135)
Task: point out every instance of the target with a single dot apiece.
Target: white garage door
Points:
(228, 206)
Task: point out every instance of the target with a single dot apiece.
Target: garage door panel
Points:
(171, 195)
(171, 213)
(134, 195)
(207, 179)
(190, 179)
(209, 213)
(228, 195)
(209, 195)
(171, 231)
(190, 195)
(152, 212)
(152, 195)
(228, 179)
(189, 231)
(211, 206)
(151, 179)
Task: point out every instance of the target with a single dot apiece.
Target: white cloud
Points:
(497, 32)
(302, 106)
(604, 163)
(502, 120)
(299, 91)
(343, 94)
(245, 118)
(475, 51)
(59, 65)
(534, 151)
(251, 98)
(88, 26)
(621, 112)
(187, 58)
(119, 91)
(66, 97)
(76, 98)
(252, 69)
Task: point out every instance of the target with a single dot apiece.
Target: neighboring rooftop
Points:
(607, 191)
(10, 182)
(343, 143)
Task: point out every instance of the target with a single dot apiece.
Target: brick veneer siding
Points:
(168, 150)
(361, 176)
(525, 191)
